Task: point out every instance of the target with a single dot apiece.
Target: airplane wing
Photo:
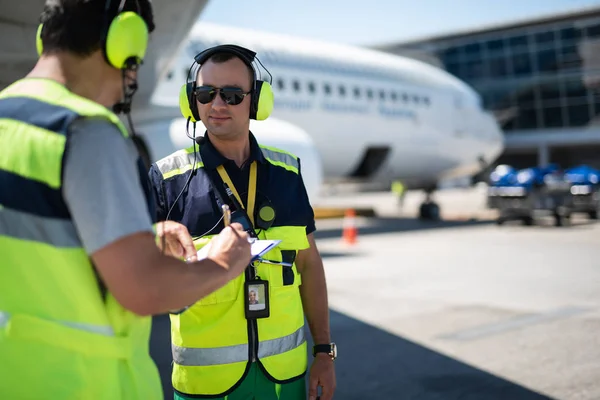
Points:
(19, 21)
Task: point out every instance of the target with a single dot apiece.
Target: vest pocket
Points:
(293, 238)
(288, 256)
(282, 277)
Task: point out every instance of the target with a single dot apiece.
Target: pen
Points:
(226, 214)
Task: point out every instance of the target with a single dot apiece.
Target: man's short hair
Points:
(77, 26)
(222, 57)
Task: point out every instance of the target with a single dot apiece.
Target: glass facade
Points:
(541, 76)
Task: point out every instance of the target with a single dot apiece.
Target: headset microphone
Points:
(129, 90)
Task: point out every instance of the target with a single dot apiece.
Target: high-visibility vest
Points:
(213, 343)
(61, 335)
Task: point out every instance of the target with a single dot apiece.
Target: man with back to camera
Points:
(81, 272)
(239, 351)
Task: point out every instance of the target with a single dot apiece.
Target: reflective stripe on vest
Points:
(99, 329)
(51, 231)
(179, 162)
(182, 161)
(238, 353)
(53, 93)
(280, 158)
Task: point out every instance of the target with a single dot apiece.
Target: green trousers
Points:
(256, 386)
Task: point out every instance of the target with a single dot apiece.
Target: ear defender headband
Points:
(124, 38)
(261, 93)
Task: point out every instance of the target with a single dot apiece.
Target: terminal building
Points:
(540, 78)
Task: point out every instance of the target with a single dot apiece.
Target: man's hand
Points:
(176, 239)
(231, 249)
(322, 374)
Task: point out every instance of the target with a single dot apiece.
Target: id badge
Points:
(257, 299)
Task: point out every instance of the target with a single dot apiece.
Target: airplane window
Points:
(170, 75)
(382, 95)
(394, 96)
(311, 87)
(416, 99)
(405, 97)
(370, 93)
(296, 86)
(280, 84)
(327, 88)
(426, 100)
(342, 90)
(356, 92)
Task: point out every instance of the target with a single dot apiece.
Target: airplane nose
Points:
(495, 138)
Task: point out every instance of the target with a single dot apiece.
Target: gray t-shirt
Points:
(101, 184)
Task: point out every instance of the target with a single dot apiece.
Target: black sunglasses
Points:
(230, 95)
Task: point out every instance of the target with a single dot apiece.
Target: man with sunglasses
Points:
(81, 274)
(223, 348)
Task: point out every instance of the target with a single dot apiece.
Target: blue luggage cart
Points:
(530, 193)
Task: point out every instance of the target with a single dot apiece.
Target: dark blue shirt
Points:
(198, 207)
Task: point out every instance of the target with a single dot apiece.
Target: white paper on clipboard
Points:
(258, 248)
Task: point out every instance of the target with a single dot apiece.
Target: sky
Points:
(376, 22)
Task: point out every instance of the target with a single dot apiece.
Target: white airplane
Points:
(371, 116)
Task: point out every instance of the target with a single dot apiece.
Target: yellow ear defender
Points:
(262, 99)
(262, 104)
(38, 40)
(125, 39)
(185, 93)
(187, 102)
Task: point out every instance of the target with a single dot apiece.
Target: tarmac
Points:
(455, 309)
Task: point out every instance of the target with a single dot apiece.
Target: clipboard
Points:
(257, 249)
(261, 247)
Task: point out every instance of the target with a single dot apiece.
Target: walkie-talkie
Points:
(232, 197)
(239, 215)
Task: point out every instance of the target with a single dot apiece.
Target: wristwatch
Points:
(330, 349)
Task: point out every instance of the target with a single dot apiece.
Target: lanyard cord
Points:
(251, 189)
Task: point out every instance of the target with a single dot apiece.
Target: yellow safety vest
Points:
(213, 343)
(60, 337)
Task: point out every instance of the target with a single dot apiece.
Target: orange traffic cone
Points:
(350, 232)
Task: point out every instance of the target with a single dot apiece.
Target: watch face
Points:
(333, 350)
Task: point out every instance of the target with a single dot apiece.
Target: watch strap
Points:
(321, 348)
